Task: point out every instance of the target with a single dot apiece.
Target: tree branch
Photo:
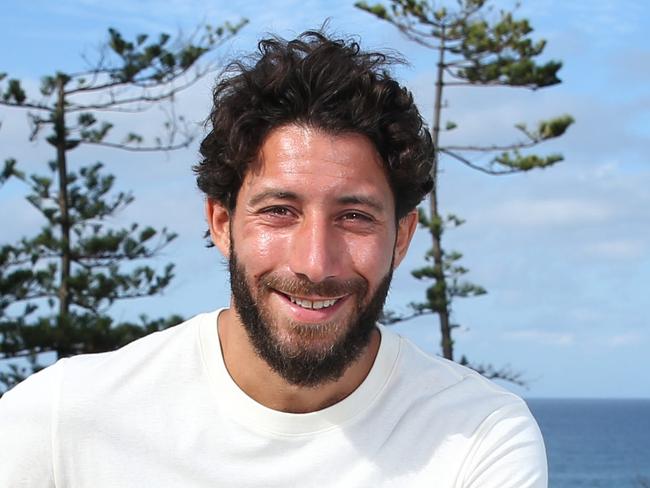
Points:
(490, 84)
(494, 147)
(466, 162)
(415, 37)
(390, 319)
(140, 82)
(170, 147)
(505, 373)
(26, 105)
(108, 108)
(106, 260)
(143, 98)
(6, 356)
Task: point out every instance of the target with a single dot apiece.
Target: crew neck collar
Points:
(246, 411)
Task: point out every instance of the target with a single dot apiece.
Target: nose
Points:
(316, 250)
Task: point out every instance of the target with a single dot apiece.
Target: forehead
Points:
(313, 163)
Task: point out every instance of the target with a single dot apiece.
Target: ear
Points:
(219, 224)
(405, 230)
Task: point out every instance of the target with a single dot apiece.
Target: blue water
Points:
(595, 443)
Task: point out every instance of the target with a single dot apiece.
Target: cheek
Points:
(259, 248)
(372, 256)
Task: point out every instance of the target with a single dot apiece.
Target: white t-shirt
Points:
(163, 412)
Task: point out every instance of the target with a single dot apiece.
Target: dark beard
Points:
(303, 366)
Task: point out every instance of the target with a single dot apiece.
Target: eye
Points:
(354, 216)
(277, 211)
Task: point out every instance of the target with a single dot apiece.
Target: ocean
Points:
(595, 443)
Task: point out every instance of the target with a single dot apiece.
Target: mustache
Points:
(299, 286)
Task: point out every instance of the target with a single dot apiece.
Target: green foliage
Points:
(475, 47)
(14, 92)
(511, 160)
(56, 287)
(550, 129)
(451, 125)
(478, 47)
(104, 269)
(130, 75)
(160, 61)
(448, 283)
(490, 372)
(150, 61)
(517, 162)
(9, 170)
(377, 10)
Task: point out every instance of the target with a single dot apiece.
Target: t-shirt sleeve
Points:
(26, 431)
(509, 453)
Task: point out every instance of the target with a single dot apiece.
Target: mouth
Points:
(311, 307)
(312, 304)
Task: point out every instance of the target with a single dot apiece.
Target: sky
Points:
(564, 253)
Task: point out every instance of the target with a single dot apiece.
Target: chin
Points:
(306, 347)
(313, 337)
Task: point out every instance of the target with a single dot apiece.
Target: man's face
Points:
(312, 244)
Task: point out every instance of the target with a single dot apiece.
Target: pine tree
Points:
(475, 47)
(56, 287)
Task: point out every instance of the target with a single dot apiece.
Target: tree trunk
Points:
(61, 146)
(435, 221)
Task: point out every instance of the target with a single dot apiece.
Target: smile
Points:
(312, 304)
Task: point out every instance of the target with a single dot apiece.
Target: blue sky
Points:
(564, 253)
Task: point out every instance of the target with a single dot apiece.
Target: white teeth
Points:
(312, 304)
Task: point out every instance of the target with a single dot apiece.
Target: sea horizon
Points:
(595, 442)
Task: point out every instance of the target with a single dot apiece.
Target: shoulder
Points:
(458, 390)
(83, 387)
(153, 354)
(493, 431)
(26, 420)
(143, 364)
(436, 376)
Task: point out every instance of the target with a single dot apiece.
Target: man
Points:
(312, 171)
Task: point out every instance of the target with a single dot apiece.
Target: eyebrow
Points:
(361, 200)
(277, 194)
(272, 193)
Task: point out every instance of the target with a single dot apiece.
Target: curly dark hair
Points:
(321, 83)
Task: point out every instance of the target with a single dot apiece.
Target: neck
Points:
(254, 376)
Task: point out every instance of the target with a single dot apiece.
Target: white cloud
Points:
(617, 249)
(550, 212)
(583, 315)
(594, 18)
(625, 339)
(541, 337)
(596, 200)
